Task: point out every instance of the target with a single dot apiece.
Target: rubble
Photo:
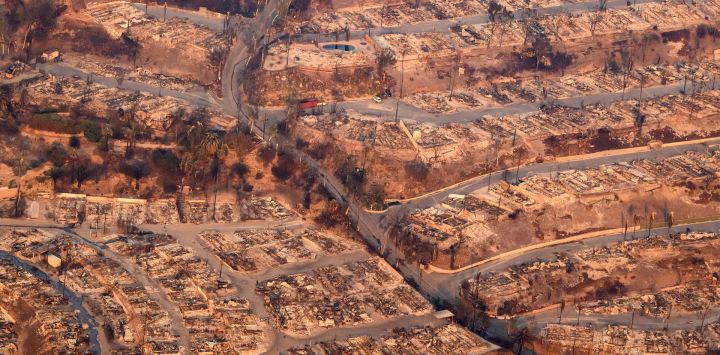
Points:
(110, 290)
(58, 324)
(331, 296)
(195, 211)
(262, 208)
(521, 288)
(162, 211)
(61, 93)
(560, 27)
(197, 41)
(689, 298)
(360, 130)
(447, 143)
(625, 175)
(100, 212)
(444, 339)
(317, 58)
(116, 17)
(8, 336)
(122, 17)
(260, 250)
(437, 232)
(453, 142)
(216, 318)
(69, 208)
(138, 74)
(394, 15)
(225, 212)
(617, 339)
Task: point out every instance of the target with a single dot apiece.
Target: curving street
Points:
(373, 226)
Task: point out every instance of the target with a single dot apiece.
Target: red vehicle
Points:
(307, 104)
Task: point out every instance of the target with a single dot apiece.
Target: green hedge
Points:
(55, 123)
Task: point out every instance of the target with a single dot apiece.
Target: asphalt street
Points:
(374, 225)
(197, 98)
(160, 12)
(446, 24)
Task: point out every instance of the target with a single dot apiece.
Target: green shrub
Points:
(54, 123)
(92, 130)
(51, 121)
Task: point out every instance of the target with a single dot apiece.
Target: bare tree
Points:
(404, 51)
(627, 64)
(594, 17)
(454, 72)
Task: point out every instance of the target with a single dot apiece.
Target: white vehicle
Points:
(377, 99)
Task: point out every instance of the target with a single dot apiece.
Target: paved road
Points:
(98, 340)
(155, 290)
(408, 112)
(245, 282)
(677, 321)
(289, 223)
(196, 98)
(570, 314)
(448, 285)
(373, 226)
(386, 109)
(28, 223)
(212, 22)
(251, 34)
(375, 329)
(445, 25)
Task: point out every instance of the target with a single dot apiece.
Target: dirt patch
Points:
(30, 341)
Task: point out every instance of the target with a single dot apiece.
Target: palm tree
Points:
(176, 119)
(188, 165)
(21, 167)
(55, 173)
(192, 134)
(130, 133)
(215, 148)
(136, 170)
(106, 132)
(72, 160)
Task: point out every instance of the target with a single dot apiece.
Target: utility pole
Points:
(642, 84)
(62, 283)
(263, 129)
(397, 108)
(452, 82)
(402, 82)
(287, 53)
(577, 322)
(702, 322)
